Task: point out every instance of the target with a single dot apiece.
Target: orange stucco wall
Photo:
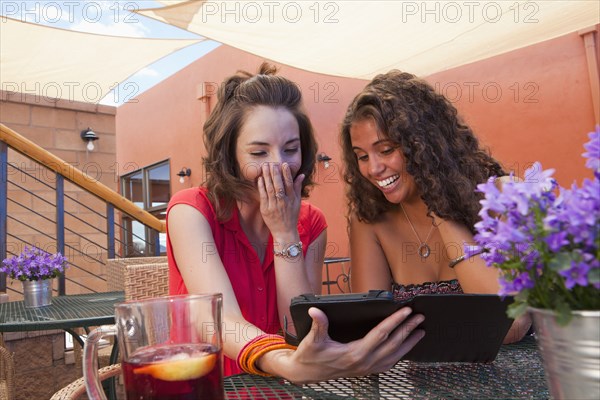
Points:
(530, 104)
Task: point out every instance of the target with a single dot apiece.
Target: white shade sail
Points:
(363, 38)
(75, 66)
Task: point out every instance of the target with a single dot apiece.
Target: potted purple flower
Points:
(545, 239)
(35, 268)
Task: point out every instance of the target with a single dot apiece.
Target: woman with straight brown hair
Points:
(247, 234)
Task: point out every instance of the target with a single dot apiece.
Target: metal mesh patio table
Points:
(65, 312)
(517, 373)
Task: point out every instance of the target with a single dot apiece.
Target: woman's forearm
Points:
(299, 275)
(292, 280)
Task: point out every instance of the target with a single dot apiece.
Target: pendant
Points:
(424, 250)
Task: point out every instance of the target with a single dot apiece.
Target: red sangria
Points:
(176, 371)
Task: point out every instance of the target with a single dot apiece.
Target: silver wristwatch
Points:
(292, 251)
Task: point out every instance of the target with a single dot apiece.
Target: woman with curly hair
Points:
(412, 168)
(247, 234)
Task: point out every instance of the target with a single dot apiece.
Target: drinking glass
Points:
(171, 348)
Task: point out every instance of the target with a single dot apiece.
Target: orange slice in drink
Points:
(180, 369)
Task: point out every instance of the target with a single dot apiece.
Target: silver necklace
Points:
(424, 249)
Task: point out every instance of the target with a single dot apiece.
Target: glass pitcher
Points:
(171, 348)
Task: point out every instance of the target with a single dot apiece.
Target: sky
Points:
(116, 18)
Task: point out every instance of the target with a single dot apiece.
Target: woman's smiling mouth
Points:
(388, 181)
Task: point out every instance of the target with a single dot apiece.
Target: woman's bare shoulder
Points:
(502, 180)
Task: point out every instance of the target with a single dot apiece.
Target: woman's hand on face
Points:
(320, 358)
(280, 198)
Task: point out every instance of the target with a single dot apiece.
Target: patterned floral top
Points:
(402, 292)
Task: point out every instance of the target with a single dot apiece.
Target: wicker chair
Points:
(115, 270)
(141, 281)
(144, 281)
(7, 373)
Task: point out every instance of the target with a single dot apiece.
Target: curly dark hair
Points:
(236, 97)
(442, 154)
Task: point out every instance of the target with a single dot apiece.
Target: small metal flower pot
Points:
(37, 293)
(571, 353)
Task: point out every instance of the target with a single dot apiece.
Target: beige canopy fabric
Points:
(363, 38)
(58, 63)
(344, 38)
(171, 2)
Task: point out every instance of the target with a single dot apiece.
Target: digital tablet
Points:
(458, 327)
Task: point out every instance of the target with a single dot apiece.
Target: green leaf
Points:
(522, 296)
(510, 266)
(560, 262)
(594, 276)
(516, 309)
(563, 313)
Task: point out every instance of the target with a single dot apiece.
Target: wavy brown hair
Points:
(442, 154)
(237, 96)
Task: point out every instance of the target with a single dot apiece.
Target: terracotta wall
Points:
(56, 126)
(530, 104)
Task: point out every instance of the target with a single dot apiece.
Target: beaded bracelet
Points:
(258, 347)
(458, 259)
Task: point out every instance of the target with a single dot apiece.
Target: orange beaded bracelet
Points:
(258, 347)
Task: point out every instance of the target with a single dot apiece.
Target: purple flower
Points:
(557, 240)
(507, 234)
(34, 264)
(506, 286)
(537, 181)
(544, 238)
(593, 151)
(576, 275)
(470, 250)
(523, 281)
(491, 201)
(514, 198)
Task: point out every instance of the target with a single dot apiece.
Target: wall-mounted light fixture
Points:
(324, 158)
(89, 136)
(183, 173)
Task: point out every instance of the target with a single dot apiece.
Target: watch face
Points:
(293, 250)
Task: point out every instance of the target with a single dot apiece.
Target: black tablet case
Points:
(458, 327)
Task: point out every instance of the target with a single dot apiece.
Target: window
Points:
(149, 188)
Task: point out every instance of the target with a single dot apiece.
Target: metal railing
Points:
(47, 203)
(337, 274)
